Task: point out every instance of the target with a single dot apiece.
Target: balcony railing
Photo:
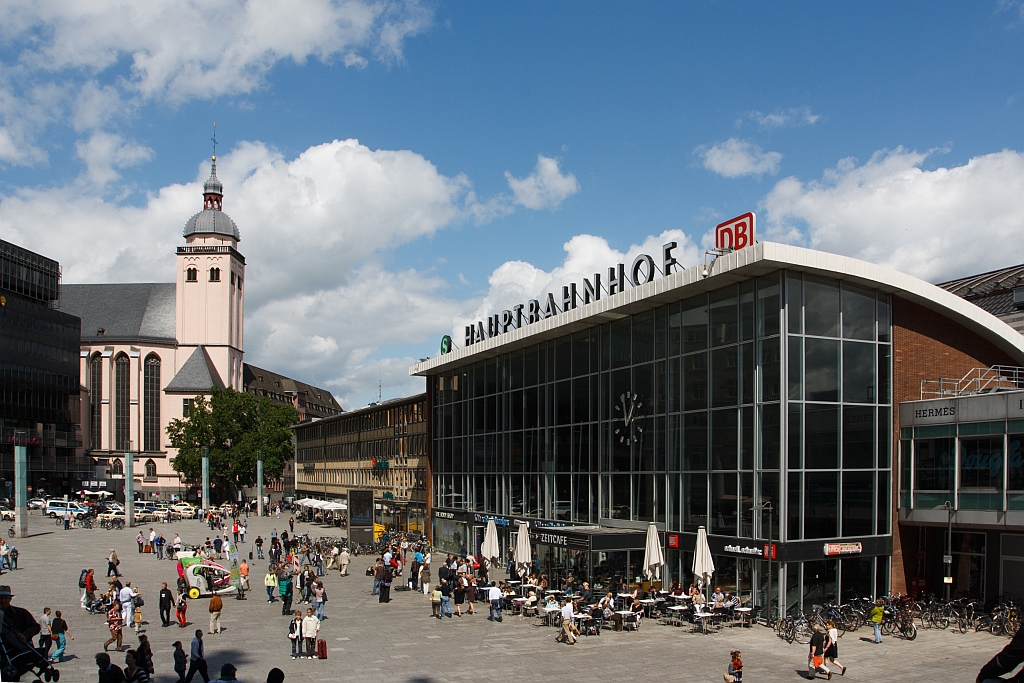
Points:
(977, 381)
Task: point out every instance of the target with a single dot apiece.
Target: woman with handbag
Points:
(734, 674)
(59, 633)
(295, 634)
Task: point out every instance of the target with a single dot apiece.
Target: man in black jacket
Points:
(1006, 661)
(17, 628)
(166, 603)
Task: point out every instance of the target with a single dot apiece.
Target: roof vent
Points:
(1018, 297)
(100, 331)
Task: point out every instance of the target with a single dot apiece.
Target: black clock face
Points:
(630, 411)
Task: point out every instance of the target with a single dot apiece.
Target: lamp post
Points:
(767, 507)
(947, 558)
(129, 487)
(259, 483)
(206, 479)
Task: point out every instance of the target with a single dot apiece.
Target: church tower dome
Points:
(212, 220)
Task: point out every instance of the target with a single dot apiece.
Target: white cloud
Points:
(515, 282)
(91, 64)
(935, 224)
(780, 118)
(734, 158)
(103, 152)
(545, 188)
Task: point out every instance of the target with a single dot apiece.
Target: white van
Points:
(57, 508)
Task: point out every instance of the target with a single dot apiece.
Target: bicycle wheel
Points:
(910, 631)
(962, 623)
(940, 621)
(802, 633)
(997, 628)
(58, 522)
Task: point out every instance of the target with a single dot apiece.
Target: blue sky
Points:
(887, 131)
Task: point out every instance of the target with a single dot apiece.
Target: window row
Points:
(192, 275)
(120, 403)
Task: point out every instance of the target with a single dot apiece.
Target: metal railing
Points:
(976, 381)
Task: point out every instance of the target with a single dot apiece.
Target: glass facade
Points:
(774, 390)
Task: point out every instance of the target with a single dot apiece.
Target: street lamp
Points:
(767, 507)
(947, 559)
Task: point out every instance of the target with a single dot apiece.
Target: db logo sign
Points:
(735, 233)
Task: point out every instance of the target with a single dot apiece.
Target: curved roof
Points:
(758, 259)
(211, 221)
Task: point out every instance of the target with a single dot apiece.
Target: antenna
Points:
(214, 138)
(380, 386)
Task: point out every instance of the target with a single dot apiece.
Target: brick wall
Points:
(926, 345)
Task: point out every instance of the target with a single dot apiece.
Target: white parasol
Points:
(703, 565)
(523, 556)
(654, 560)
(489, 550)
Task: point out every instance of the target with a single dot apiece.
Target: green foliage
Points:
(237, 427)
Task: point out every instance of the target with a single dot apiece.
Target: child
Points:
(138, 618)
(180, 610)
(735, 667)
(179, 661)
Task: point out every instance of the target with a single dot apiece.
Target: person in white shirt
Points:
(494, 595)
(310, 628)
(567, 625)
(126, 598)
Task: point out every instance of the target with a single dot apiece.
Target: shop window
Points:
(1015, 473)
(969, 565)
(981, 473)
(821, 583)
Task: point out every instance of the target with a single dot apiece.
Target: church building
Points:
(148, 349)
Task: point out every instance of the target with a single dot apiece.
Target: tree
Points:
(238, 428)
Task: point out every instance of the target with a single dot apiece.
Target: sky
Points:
(398, 169)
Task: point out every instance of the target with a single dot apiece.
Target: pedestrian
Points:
(344, 559)
(425, 577)
(567, 627)
(734, 674)
(494, 595)
(67, 520)
(227, 673)
(243, 578)
(115, 623)
(166, 602)
(1008, 659)
(59, 628)
(126, 596)
(159, 547)
(270, 581)
(112, 562)
(90, 588)
(45, 641)
(877, 612)
(816, 655)
(152, 541)
(243, 528)
(197, 659)
(141, 540)
(459, 593)
(137, 611)
(284, 589)
(435, 601)
(216, 605)
(832, 647)
(291, 524)
(108, 671)
(378, 576)
(317, 598)
(471, 593)
(385, 585)
(234, 530)
(180, 660)
(295, 634)
(180, 610)
(144, 655)
(133, 673)
(275, 675)
(259, 547)
(310, 629)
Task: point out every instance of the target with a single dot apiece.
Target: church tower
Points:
(210, 286)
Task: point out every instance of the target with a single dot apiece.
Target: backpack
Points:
(81, 578)
(139, 602)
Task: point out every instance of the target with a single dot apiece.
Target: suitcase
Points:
(148, 548)
(250, 554)
(321, 649)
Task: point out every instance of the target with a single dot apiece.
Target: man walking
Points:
(344, 559)
(259, 547)
(567, 627)
(197, 659)
(284, 589)
(127, 600)
(166, 602)
(494, 595)
(378, 576)
(216, 605)
(270, 581)
(44, 635)
(112, 562)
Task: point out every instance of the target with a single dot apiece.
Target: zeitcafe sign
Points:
(734, 233)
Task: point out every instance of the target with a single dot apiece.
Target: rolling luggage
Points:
(321, 649)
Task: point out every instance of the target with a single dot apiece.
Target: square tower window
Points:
(214, 274)
(191, 275)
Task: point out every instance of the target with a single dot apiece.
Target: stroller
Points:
(17, 659)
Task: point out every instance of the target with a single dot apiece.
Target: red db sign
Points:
(735, 233)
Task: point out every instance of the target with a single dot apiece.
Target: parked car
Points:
(57, 508)
(36, 503)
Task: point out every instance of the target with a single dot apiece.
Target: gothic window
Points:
(186, 406)
(150, 469)
(96, 401)
(214, 274)
(122, 410)
(151, 402)
(191, 275)
(116, 467)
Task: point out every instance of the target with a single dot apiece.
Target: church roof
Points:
(127, 313)
(197, 374)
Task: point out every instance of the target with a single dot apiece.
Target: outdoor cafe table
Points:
(549, 613)
(704, 620)
(676, 612)
(744, 615)
(580, 618)
(648, 606)
(622, 597)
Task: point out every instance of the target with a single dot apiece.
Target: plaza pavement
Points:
(400, 643)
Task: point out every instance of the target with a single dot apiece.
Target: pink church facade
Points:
(148, 349)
